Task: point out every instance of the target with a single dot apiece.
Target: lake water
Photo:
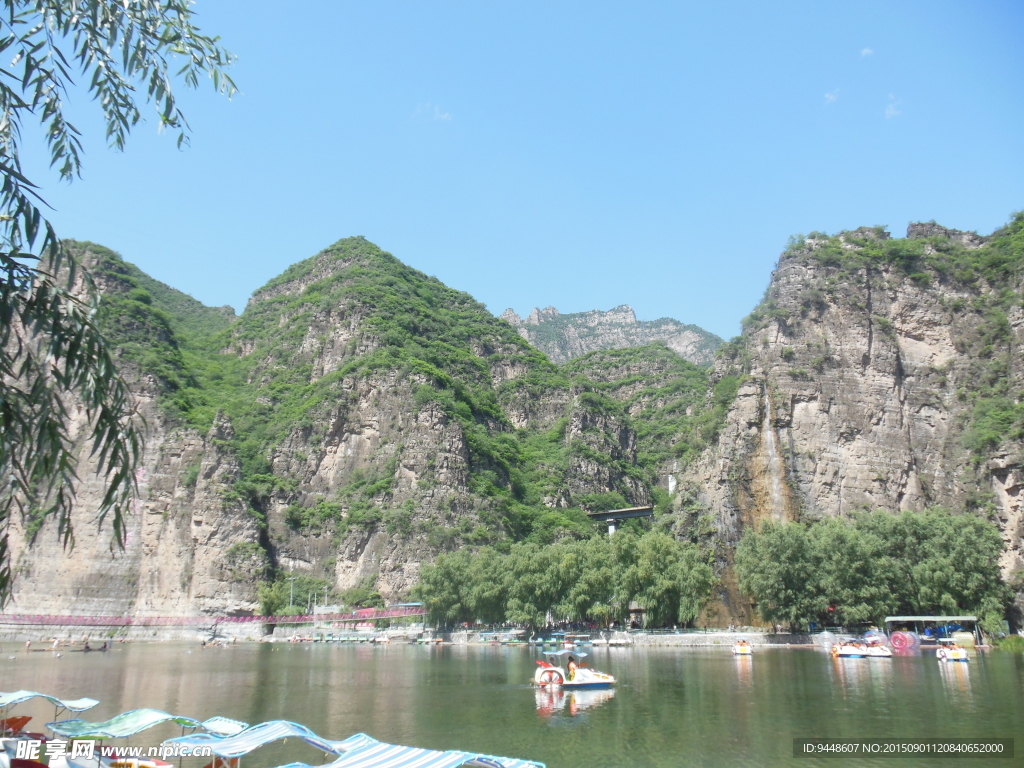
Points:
(671, 707)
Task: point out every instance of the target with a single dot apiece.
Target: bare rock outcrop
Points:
(189, 547)
(857, 395)
(565, 337)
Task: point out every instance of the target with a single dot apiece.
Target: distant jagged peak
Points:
(620, 314)
(539, 316)
(510, 317)
(563, 337)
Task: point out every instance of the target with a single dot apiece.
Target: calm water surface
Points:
(672, 707)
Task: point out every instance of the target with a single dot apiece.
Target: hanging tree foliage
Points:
(125, 53)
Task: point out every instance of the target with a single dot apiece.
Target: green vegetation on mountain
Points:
(153, 326)
(989, 273)
(258, 371)
(666, 397)
(843, 572)
(997, 263)
(352, 341)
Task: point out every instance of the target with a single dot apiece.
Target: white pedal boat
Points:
(572, 676)
(852, 650)
(952, 652)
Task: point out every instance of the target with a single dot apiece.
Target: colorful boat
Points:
(573, 676)
(854, 649)
(742, 648)
(12, 729)
(951, 651)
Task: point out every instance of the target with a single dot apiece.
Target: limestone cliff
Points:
(360, 417)
(191, 546)
(565, 337)
(878, 373)
(356, 420)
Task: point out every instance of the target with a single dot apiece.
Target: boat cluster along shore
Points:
(71, 743)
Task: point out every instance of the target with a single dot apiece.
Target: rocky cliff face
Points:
(360, 418)
(565, 337)
(877, 374)
(190, 547)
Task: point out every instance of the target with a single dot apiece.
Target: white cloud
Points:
(891, 108)
(831, 98)
(865, 52)
(430, 111)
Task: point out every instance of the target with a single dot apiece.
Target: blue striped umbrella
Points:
(17, 697)
(120, 727)
(377, 754)
(256, 736)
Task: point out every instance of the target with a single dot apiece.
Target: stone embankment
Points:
(42, 637)
(704, 639)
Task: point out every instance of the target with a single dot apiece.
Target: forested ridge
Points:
(591, 435)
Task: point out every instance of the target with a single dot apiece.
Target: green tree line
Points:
(596, 579)
(292, 594)
(846, 571)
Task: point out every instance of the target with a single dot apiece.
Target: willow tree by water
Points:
(596, 579)
(842, 572)
(51, 352)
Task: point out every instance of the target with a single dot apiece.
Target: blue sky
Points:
(578, 154)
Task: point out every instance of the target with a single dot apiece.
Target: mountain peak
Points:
(539, 316)
(564, 337)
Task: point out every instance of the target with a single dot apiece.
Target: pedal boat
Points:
(854, 650)
(548, 675)
(742, 648)
(952, 652)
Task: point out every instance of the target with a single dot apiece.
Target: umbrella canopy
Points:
(17, 697)
(377, 754)
(254, 737)
(125, 724)
(224, 726)
(565, 652)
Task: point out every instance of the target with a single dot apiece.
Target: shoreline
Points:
(73, 635)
